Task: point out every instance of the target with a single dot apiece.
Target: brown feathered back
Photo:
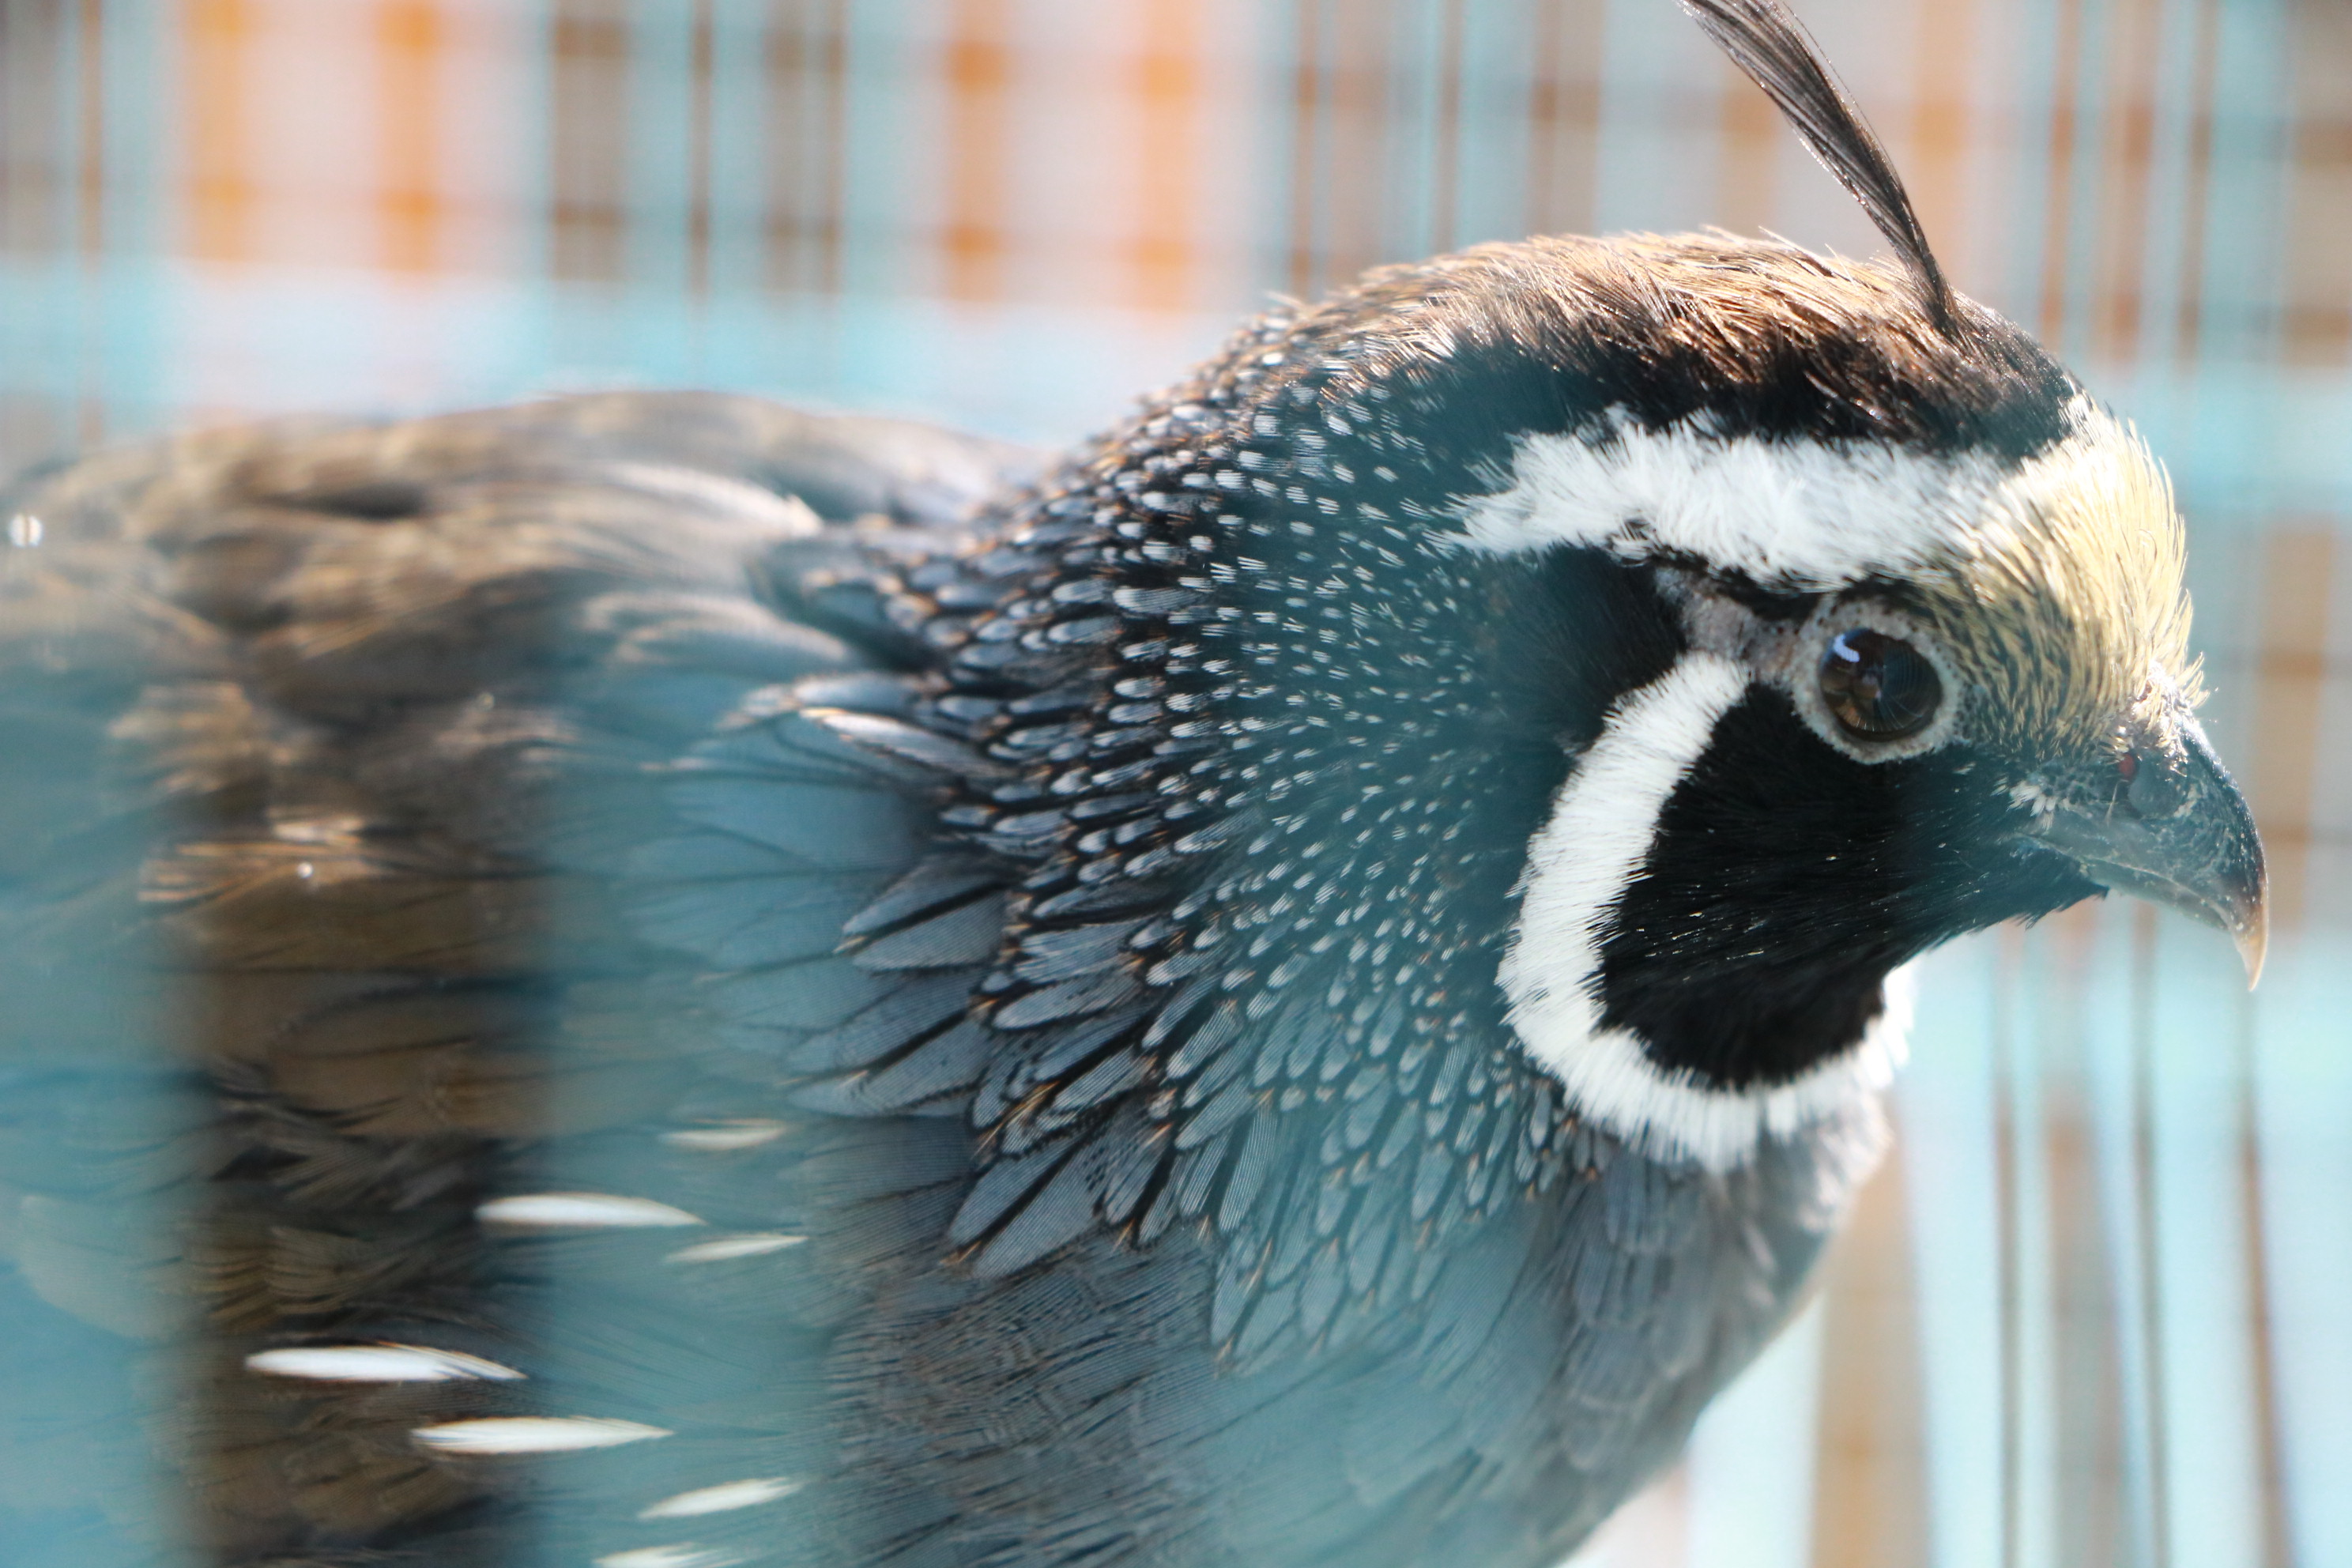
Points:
(326, 742)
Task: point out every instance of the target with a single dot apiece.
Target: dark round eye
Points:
(1880, 687)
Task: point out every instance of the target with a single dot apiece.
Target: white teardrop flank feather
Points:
(376, 1364)
(725, 1137)
(580, 1211)
(685, 1556)
(727, 1248)
(534, 1434)
(724, 1498)
(1578, 864)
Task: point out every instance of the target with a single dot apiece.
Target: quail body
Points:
(685, 984)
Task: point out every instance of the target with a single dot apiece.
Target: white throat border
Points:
(1580, 863)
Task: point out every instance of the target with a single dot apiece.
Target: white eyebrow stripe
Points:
(724, 1498)
(582, 1211)
(1815, 514)
(534, 1435)
(376, 1363)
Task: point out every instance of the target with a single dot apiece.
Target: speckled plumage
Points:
(493, 918)
(654, 981)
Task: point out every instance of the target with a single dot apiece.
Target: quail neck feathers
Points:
(1300, 988)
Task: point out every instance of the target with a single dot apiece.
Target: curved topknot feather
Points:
(1767, 42)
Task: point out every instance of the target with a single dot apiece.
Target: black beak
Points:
(2177, 831)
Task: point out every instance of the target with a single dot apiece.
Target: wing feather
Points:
(654, 806)
(382, 791)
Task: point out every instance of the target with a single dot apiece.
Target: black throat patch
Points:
(1785, 881)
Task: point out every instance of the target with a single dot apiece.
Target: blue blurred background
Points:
(2094, 1312)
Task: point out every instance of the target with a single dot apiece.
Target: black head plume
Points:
(1774, 47)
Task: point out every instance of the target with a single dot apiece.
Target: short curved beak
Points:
(2179, 835)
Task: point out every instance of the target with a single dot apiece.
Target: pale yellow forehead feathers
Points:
(2063, 600)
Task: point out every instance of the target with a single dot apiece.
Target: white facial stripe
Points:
(1816, 515)
(1819, 515)
(1580, 862)
(1599, 834)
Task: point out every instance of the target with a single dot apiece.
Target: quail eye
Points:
(1879, 688)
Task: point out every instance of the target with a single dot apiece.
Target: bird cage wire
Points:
(2092, 1311)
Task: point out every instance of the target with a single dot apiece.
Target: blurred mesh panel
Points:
(2092, 1313)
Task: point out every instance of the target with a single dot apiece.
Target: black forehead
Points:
(1739, 338)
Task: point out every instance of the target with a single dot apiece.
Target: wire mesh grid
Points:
(2091, 1312)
